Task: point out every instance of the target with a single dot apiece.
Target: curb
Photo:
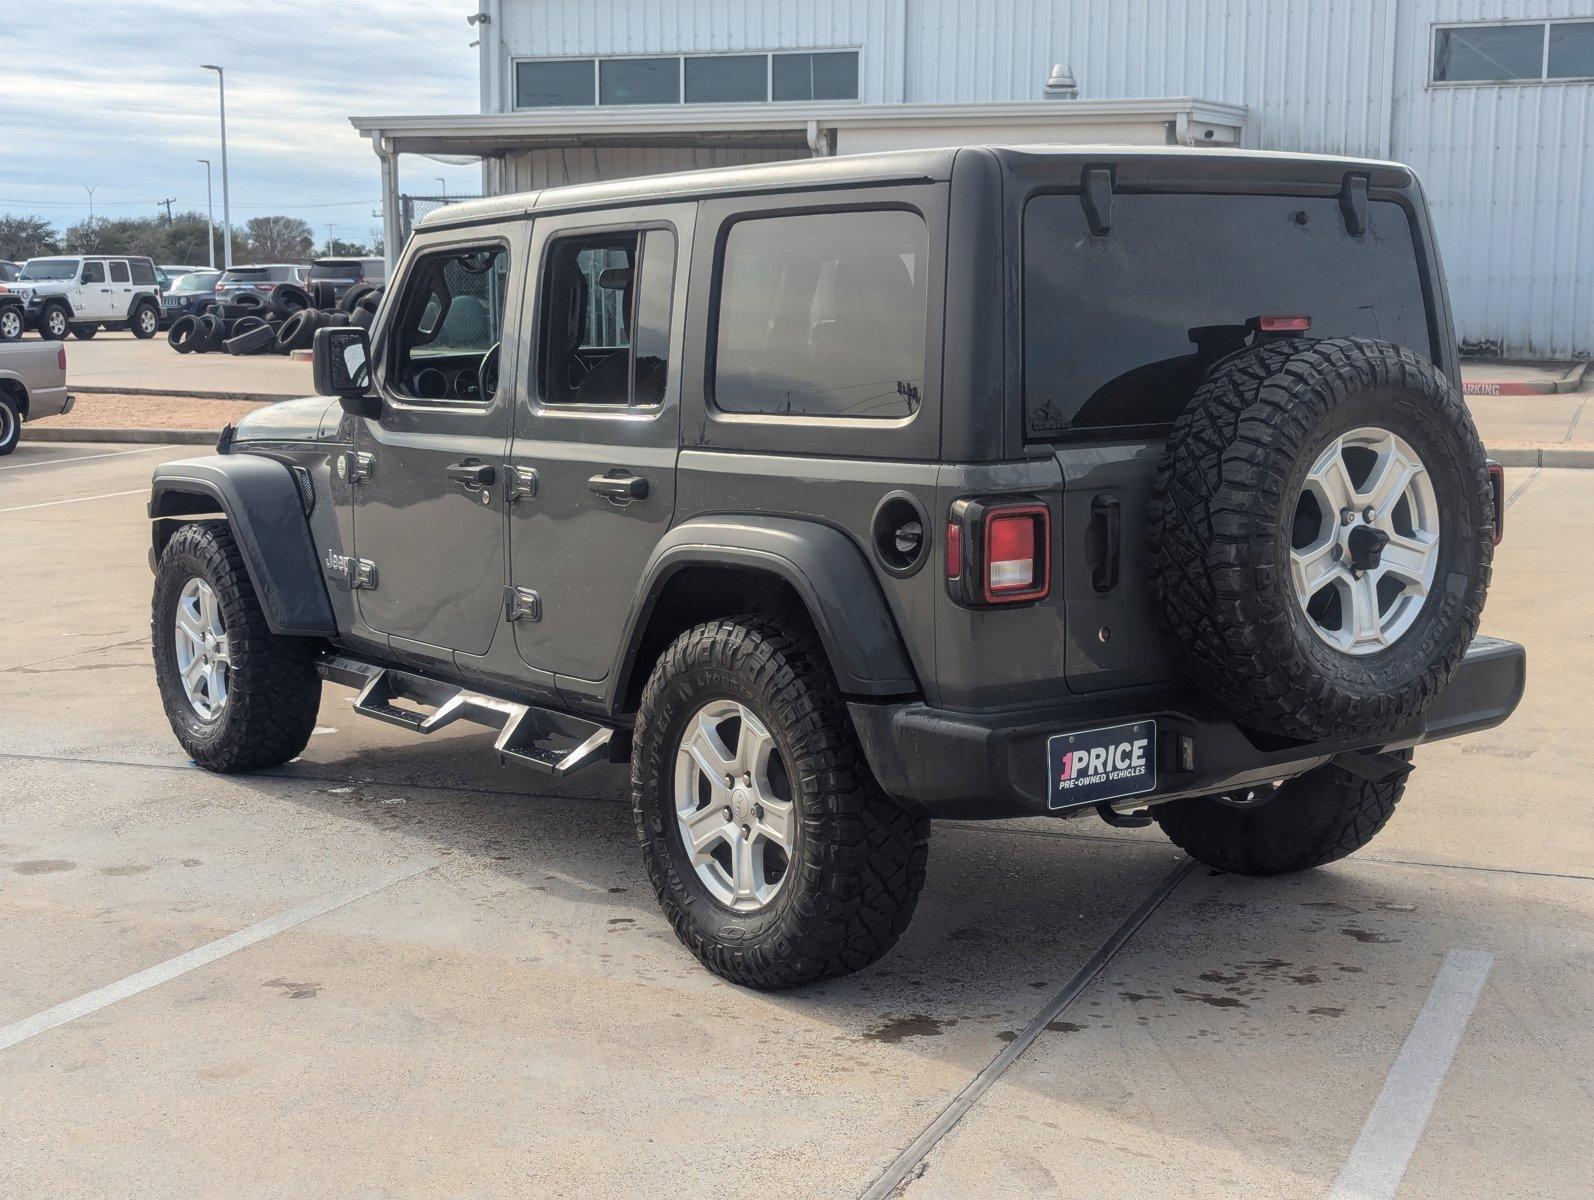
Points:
(1570, 380)
(260, 397)
(1506, 456)
(139, 437)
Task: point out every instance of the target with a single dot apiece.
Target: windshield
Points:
(1120, 329)
(195, 281)
(49, 268)
(335, 270)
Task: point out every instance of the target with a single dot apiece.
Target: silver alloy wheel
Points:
(10, 325)
(1364, 548)
(737, 828)
(148, 319)
(57, 323)
(204, 653)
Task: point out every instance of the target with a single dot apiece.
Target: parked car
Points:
(330, 278)
(1041, 482)
(82, 294)
(32, 385)
(8, 270)
(190, 292)
(261, 280)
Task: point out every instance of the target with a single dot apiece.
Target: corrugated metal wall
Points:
(1509, 169)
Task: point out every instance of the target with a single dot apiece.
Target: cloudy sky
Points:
(109, 93)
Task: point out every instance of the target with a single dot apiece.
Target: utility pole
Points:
(226, 196)
(332, 246)
(210, 215)
(168, 202)
(91, 191)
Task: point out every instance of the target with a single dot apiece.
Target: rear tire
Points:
(853, 859)
(10, 425)
(269, 690)
(146, 321)
(1310, 820)
(85, 333)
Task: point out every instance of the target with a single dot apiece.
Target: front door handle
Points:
(472, 473)
(622, 488)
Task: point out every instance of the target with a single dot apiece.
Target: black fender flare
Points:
(261, 501)
(140, 298)
(824, 567)
(44, 302)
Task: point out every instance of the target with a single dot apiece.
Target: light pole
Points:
(91, 191)
(210, 214)
(226, 197)
(444, 182)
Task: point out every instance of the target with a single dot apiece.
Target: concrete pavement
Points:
(508, 1014)
(121, 362)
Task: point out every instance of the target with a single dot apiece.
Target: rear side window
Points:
(823, 315)
(1120, 329)
(143, 272)
(449, 321)
(606, 323)
(119, 273)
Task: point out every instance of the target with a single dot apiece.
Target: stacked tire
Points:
(251, 324)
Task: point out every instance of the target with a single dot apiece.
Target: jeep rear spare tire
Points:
(773, 852)
(1322, 536)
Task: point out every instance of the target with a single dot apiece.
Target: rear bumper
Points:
(48, 402)
(972, 765)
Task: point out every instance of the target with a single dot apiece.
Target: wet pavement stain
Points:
(1209, 998)
(1220, 977)
(43, 866)
(1137, 997)
(1326, 1011)
(128, 870)
(292, 990)
(899, 1029)
(1367, 936)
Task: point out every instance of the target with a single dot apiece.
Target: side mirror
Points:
(343, 369)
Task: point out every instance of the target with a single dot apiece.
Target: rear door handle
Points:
(621, 488)
(472, 474)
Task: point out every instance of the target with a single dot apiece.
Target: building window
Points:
(1523, 52)
(706, 78)
(554, 83)
(726, 78)
(639, 81)
(826, 76)
(823, 315)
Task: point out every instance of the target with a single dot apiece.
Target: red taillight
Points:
(60, 358)
(1497, 486)
(954, 550)
(1015, 564)
(1284, 324)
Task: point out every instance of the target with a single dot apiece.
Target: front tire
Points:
(146, 322)
(54, 322)
(1305, 822)
(238, 696)
(744, 746)
(10, 425)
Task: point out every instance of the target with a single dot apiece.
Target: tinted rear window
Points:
(1119, 329)
(336, 270)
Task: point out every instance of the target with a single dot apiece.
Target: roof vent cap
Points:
(1061, 84)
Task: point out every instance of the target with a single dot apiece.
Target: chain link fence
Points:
(413, 208)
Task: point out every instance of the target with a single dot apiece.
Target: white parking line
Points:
(76, 500)
(71, 1010)
(77, 458)
(1378, 1160)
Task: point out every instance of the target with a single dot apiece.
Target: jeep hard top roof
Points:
(907, 166)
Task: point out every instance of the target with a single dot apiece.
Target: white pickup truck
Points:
(32, 385)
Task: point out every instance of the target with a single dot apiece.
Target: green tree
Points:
(26, 237)
(278, 239)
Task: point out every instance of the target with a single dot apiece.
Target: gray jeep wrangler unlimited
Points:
(841, 494)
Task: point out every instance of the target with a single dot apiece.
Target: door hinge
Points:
(522, 604)
(520, 483)
(357, 466)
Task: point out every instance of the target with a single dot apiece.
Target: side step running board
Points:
(552, 742)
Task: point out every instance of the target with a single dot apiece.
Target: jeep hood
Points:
(312, 419)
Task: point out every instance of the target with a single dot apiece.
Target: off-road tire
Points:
(54, 322)
(1224, 499)
(1313, 819)
(85, 333)
(145, 322)
(858, 860)
(273, 689)
(10, 425)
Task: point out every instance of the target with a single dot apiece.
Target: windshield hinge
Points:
(1095, 194)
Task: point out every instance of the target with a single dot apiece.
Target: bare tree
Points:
(278, 239)
(26, 237)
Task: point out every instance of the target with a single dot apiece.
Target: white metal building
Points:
(1492, 101)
